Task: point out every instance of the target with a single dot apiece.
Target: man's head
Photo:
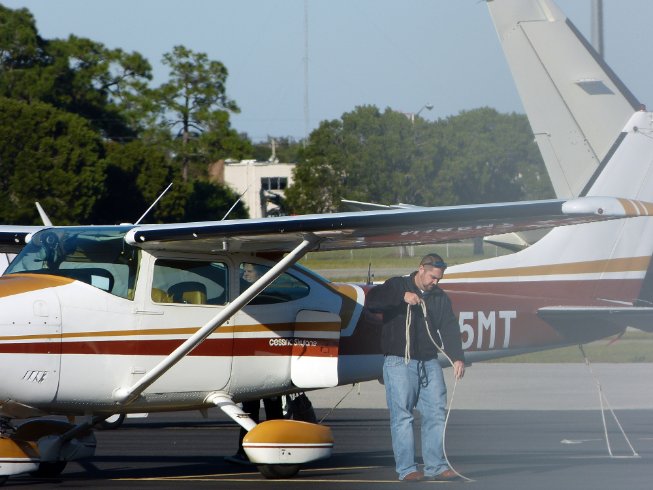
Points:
(431, 269)
(251, 272)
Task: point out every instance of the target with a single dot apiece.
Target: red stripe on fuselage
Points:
(275, 346)
(525, 298)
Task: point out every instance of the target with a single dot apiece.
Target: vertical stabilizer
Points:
(576, 105)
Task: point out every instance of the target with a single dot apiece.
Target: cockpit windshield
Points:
(96, 255)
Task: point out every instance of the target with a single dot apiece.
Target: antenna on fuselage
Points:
(154, 203)
(44, 216)
(234, 205)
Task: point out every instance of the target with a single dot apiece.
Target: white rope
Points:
(602, 399)
(407, 348)
(455, 382)
(341, 400)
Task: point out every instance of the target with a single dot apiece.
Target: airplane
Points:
(98, 320)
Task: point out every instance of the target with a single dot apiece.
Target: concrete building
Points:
(261, 184)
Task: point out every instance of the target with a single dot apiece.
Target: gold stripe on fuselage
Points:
(628, 264)
(181, 332)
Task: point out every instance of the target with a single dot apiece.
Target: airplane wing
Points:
(13, 238)
(372, 206)
(392, 227)
(573, 321)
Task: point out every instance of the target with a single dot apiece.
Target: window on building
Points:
(274, 183)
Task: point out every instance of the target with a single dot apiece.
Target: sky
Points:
(401, 54)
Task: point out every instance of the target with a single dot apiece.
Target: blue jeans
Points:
(418, 384)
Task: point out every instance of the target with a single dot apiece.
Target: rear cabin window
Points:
(190, 282)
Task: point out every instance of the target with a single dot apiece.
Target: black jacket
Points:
(388, 298)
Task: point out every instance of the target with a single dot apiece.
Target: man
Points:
(411, 371)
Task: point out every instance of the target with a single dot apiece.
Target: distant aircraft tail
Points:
(575, 103)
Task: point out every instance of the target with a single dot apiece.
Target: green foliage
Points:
(287, 150)
(136, 174)
(111, 165)
(209, 202)
(194, 105)
(77, 75)
(384, 157)
(49, 156)
(85, 133)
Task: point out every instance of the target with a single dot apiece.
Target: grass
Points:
(633, 346)
(352, 266)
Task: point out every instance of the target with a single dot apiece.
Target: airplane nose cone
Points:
(30, 340)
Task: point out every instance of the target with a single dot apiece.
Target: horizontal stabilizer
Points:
(516, 241)
(581, 324)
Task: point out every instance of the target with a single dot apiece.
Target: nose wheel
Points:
(49, 469)
(278, 471)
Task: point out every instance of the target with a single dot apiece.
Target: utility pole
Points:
(306, 113)
(597, 26)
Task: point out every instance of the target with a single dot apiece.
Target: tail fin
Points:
(567, 91)
(575, 103)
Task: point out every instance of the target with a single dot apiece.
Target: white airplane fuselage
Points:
(67, 346)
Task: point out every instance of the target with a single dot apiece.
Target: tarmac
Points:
(517, 426)
(521, 386)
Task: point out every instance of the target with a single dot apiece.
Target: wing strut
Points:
(125, 396)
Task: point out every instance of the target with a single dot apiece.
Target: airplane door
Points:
(314, 361)
(185, 295)
(280, 334)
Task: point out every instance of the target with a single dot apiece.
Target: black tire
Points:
(106, 425)
(49, 469)
(278, 471)
(3, 480)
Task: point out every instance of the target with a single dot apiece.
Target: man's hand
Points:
(412, 298)
(459, 369)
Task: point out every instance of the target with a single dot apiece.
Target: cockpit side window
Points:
(284, 288)
(97, 256)
(190, 282)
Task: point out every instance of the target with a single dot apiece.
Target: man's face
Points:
(249, 273)
(427, 277)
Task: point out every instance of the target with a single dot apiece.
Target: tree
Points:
(77, 75)
(487, 155)
(366, 155)
(50, 156)
(210, 202)
(476, 156)
(286, 149)
(195, 107)
(136, 174)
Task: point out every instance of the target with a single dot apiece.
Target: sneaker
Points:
(238, 458)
